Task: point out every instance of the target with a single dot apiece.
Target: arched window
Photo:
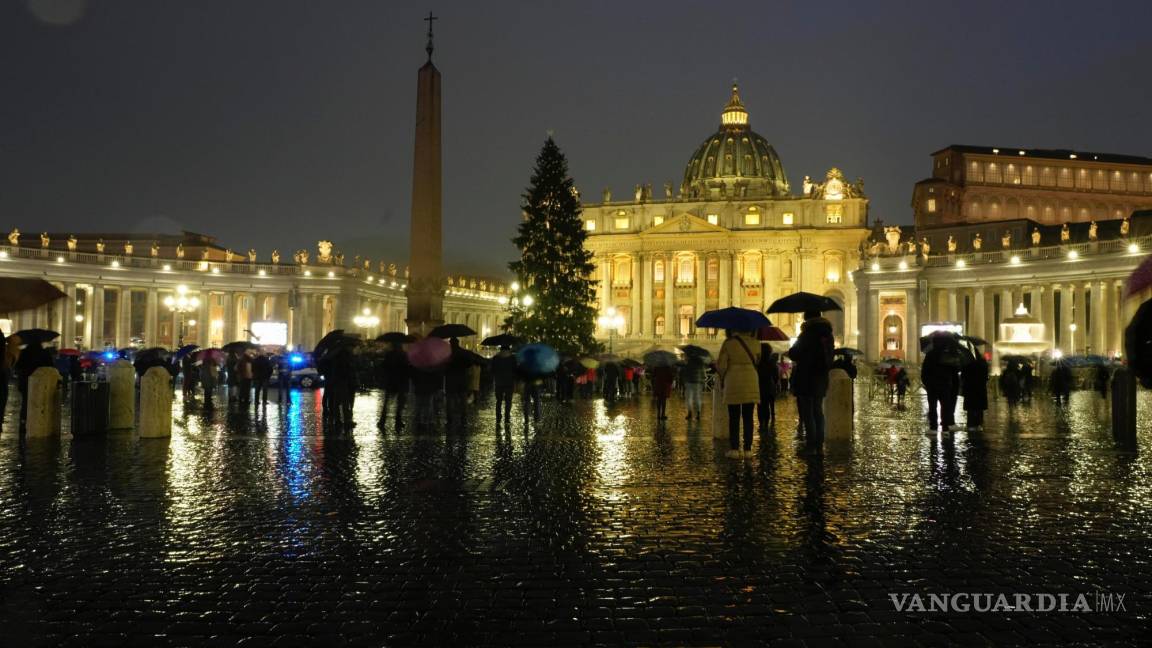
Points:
(687, 319)
(685, 270)
(658, 270)
(833, 269)
(752, 269)
(993, 174)
(622, 271)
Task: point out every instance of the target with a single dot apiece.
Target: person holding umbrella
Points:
(812, 354)
(1060, 382)
(397, 381)
(262, 368)
(736, 368)
(974, 389)
(32, 357)
(504, 375)
(692, 379)
(209, 375)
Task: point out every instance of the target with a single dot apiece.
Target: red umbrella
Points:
(771, 334)
(1140, 279)
(17, 294)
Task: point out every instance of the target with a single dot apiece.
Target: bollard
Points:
(156, 403)
(43, 403)
(1124, 407)
(838, 410)
(121, 395)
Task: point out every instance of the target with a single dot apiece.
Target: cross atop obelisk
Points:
(428, 48)
(425, 288)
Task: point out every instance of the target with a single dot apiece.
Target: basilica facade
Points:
(732, 233)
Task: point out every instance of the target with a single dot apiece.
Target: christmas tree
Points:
(555, 302)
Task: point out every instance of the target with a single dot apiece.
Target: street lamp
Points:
(182, 304)
(366, 319)
(611, 320)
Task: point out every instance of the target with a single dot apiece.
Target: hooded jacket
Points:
(812, 354)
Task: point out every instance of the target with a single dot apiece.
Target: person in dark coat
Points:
(1100, 382)
(427, 385)
(262, 369)
(32, 357)
(769, 370)
(663, 378)
(503, 366)
(844, 362)
(1060, 382)
(812, 354)
(942, 385)
(974, 388)
(191, 374)
(1027, 379)
(1010, 383)
(456, 383)
(397, 380)
(611, 376)
(339, 387)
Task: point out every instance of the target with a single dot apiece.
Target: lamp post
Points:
(366, 320)
(611, 320)
(182, 304)
(515, 302)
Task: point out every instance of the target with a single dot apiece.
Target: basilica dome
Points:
(734, 161)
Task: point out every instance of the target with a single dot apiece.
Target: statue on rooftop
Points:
(155, 250)
(977, 242)
(1065, 235)
(1124, 226)
(44, 240)
(275, 257)
(72, 242)
(14, 237)
(324, 251)
(179, 250)
(1092, 231)
(128, 248)
(606, 195)
(1006, 239)
(100, 246)
(1035, 236)
(251, 255)
(951, 243)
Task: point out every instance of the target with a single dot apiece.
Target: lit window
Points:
(752, 218)
(751, 269)
(685, 270)
(658, 270)
(713, 269)
(621, 222)
(590, 225)
(931, 206)
(657, 220)
(834, 213)
(788, 217)
(713, 219)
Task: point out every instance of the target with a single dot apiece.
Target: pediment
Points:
(685, 224)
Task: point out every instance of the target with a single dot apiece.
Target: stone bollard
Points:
(156, 403)
(121, 395)
(1124, 407)
(838, 410)
(43, 403)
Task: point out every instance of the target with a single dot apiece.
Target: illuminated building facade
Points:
(1057, 231)
(731, 234)
(117, 288)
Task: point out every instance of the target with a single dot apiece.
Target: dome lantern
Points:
(734, 115)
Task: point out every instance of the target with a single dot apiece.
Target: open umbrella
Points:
(28, 336)
(537, 359)
(973, 340)
(330, 339)
(240, 346)
(802, 302)
(185, 350)
(847, 351)
(1140, 279)
(608, 357)
(738, 319)
(938, 338)
(451, 331)
(17, 294)
(214, 355)
(504, 339)
(589, 362)
(395, 337)
(69, 352)
(771, 334)
(429, 353)
(629, 362)
(693, 350)
(660, 358)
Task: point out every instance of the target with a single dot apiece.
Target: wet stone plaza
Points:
(594, 527)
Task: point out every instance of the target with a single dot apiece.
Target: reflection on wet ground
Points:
(597, 528)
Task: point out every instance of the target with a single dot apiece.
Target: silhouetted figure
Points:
(812, 354)
(974, 388)
(397, 380)
(262, 369)
(1100, 380)
(692, 380)
(941, 380)
(1010, 384)
(504, 373)
(1060, 382)
(662, 380)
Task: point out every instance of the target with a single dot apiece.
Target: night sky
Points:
(275, 123)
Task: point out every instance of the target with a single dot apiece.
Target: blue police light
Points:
(109, 355)
(296, 359)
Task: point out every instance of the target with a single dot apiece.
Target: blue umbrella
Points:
(185, 350)
(738, 319)
(537, 359)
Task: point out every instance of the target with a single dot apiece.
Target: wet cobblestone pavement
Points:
(596, 528)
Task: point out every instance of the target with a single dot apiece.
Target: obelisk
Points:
(425, 292)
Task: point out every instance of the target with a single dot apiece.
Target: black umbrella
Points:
(29, 336)
(395, 337)
(693, 350)
(504, 339)
(629, 362)
(153, 357)
(17, 294)
(738, 319)
(802, 302)
(971, 339)
(1138, 343)
(329, 340)
(940, 338)
(451, 331)
(847, 351)
(239, 346)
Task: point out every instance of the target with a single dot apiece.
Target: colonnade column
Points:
(912, 330)
(1114, 322)
(124, 317)
(952, 309)
(1079, 339)
(669, 305)
(647, 294)
(976, 326)
(1098, 319)
(68, 328)
(228, 331)
(634, 297)
(97, 318)
(1066, 304)
(151, 304)
(1048, 314)
(701, 278)
(737, 289)
(872, 325)
(725, 279)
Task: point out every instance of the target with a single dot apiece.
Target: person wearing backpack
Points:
(812, 354)
(736, 367)
(940, 373)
